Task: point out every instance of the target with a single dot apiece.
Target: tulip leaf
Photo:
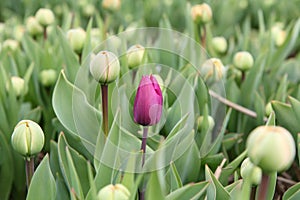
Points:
(298, 147)
(293, 193)
(6, 164)
(154, 187)
(42, 182)
(271, 120)
(87, 48)
(296, 106)
(189, 191)
(215, 190)
(93, 191)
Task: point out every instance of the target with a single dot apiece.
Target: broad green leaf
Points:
(175, 181)
(293, 193)
(154, 187)
(92, 192)
(189, 191)
(215, 189)
(42, 185)
(6, 166)
(87, 48)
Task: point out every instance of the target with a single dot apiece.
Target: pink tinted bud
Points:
(148, 102)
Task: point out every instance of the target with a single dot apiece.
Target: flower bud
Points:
(10, 45)
(44, 16)
(219, 44)
(278, 34)
(113, 192)
(112, 5)
(269, 109)
(89, 10)
(105, 67)
(159, 80)
(18, 86)
(76, 38)
(201, 13)
(148, 102)
(19, 32)
(48, 77)
(27, 138)
(243, 60)
(250, 171)
(213, 69)
(135, 55)
(211, 123)
(272, 148)
(33, 27)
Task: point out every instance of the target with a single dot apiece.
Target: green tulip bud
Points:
(211, 123)
(250, 171)
(219, 44)
(201, 13)
(243, 60)
(76, 39)
(19, 32)
(112, 5)
(10, 45)
(48, 77)
(213, 69)
(27, 138)
(278, 34)
(89, 10)
(272, 148)
(113, 192)
(45, 16)
(269, 109)
(33, 26)
(18, 86)
(135, 56)
(105, 67)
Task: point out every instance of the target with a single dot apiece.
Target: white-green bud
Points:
(268, 109)
(76, 38)
(27, 138)
(201, 13)
(213, 68)
(89, 10)
(211, 123)
(135, 55)
(19, 32)
(112, 5)
(45, 16)
(243, 60)
(10, 45)
(278, 34)
(113, 192)
(272, 148)
(105, 67)
(48, 77)
(18, 85)
(219, 44)
(33, 27)
(250, 171)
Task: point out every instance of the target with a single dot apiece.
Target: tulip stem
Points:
(45, 33)
(29, 165)
(104, 89)
(263, 187)
(203, 37)
(144, 142)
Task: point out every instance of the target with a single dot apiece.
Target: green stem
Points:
(203, 37)
(29, 165)
(144, 142)
(45, 33)
(104, 89)
(263, 187)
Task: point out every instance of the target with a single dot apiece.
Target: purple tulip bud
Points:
(148, 102)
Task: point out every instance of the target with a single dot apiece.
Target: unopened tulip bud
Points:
(112, 5)
(272, 148)
(135, 56)
(48, 77)
(45, 16)
(113, 192)
(27, 138)
(213, 69)
(250, 171)
(33, 26)
(201, 13)
(148, 102)
(18, 86)
(19, 31)
(278, 34)
(211, 123)
(89, 10)
(269, 109)
(219, 44)
(76, 38)
(10, 45)
(243, 60)
(105, 67)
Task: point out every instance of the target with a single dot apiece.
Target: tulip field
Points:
(150, 100)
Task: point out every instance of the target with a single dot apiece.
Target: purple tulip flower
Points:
(148, 102)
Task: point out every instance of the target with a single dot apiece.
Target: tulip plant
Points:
(127, 100)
